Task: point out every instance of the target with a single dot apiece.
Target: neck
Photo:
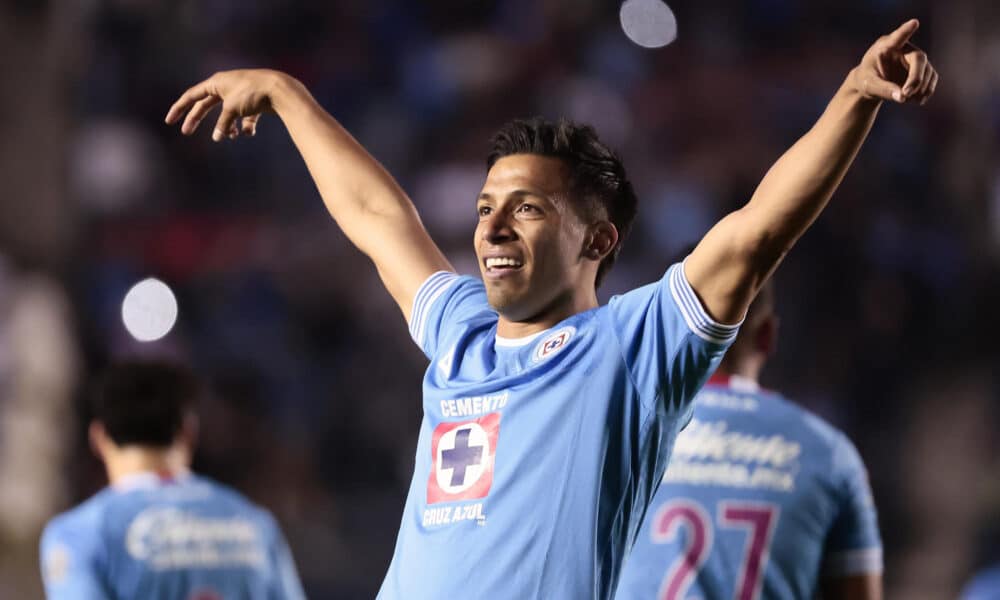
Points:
(559, 310)
(132, 460)
(746, 367)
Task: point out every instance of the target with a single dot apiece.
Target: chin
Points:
(506, 304)
(499, 300)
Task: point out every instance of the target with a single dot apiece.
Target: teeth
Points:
(502, 261)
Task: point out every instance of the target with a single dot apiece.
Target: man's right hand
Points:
(244, 94)
(361, 196)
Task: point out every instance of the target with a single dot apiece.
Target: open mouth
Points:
(500, 265)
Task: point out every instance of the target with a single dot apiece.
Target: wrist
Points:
(283, 90)
(855, 88)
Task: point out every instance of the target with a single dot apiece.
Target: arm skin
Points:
(738, 254)
(854, 587)
(364, 200)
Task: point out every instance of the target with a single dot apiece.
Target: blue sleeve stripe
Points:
(698, 321)
(429, 291)
(863, 561)
(420, 300)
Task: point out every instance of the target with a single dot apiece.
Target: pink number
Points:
(665, 525)
(759, 518)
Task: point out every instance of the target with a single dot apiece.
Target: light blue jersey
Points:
(157, 539)
(984, 586)
(760, 499)
(538, 456)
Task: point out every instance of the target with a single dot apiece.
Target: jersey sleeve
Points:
(669, 342)
(69, 560)
(442, 303)
(853, 545)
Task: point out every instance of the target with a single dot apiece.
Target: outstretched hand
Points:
(895, 69)
(244, 95)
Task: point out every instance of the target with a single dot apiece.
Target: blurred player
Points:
(159, 531)
(761, 499)
(548, 419)
(985, 585)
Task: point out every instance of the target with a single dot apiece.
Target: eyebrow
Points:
(517, 192)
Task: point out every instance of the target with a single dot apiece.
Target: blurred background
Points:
(889, 304)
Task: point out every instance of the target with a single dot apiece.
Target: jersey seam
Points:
(644, 426)
(621, 354)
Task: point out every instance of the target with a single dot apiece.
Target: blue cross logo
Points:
(461, 457)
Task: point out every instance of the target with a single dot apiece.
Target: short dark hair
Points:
(597, 175)
(144, 402)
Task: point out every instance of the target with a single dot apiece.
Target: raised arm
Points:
(364, 200)
(730, 264)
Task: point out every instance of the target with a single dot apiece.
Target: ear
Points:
(188, 435)
(99, 439)
(601, 240)
(766, 338)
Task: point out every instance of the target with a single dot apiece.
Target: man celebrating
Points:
(158, 531)
(760, 500)
(548, 419)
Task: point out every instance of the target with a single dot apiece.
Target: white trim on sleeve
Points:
(862, 561)
(423, 300)
(697, 319)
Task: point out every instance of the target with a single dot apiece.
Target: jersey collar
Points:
(504, 342)
(147, 480)
(733, 382)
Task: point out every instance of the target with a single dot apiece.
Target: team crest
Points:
(463, 455)
(553, 343)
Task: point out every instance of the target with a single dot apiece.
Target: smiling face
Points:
(531, 243)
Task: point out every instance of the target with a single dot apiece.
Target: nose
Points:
(497, 229)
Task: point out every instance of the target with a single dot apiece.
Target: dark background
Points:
(889, 304)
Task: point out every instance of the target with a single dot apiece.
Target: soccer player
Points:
(548, 419)
(761, 499)
(160, 532)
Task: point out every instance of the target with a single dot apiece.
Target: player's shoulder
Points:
(79, 528)
(234, 500)
(450, 286)
(223, 492)
(445, 304)
(73, 538)
(769, 410)
(831, 445)
(812, 424)
(469, 293)
(88, 515)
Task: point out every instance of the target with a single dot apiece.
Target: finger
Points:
(884, 62)
(250, 124)
(916, 66)
(875, 87)
(930, 89)
(188, 98)
(197, 113)
(925, 83)
(234, 130)
(898, 38)
(224, 124)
